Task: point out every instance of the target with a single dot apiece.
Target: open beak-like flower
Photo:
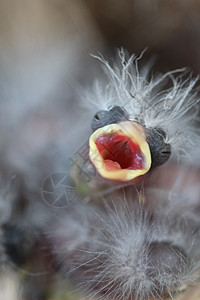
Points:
(120, 151)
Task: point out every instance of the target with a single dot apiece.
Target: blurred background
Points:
(45, 48)
(170, 29)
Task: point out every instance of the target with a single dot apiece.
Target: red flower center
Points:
(120, 152)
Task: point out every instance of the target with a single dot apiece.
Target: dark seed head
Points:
(106, 117)
(160, 150)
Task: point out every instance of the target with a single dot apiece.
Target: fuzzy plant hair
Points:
(168, 102)
(124, 253)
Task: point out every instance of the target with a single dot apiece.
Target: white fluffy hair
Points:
(124, 252)
(108, 251)
(173, 109)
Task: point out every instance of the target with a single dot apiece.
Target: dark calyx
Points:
(160, 151)
(106, 117)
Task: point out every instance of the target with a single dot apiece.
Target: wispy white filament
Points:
(166, 101)
(109, 253)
